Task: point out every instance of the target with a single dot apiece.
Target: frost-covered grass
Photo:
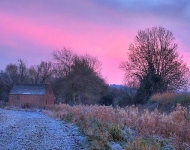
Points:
(29, 129)
(131, 128)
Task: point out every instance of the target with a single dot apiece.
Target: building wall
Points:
(49, 97)
(27, 100)
(41, 101)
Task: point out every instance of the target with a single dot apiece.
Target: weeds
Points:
(103, 124)
(116, 134)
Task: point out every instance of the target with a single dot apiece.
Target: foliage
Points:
(105, 123)
(154, 64)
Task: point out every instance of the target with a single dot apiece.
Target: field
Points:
(129, 127)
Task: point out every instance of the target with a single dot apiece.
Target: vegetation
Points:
(75, 79)
(139, 129)
(154, 65)
(78, 78)
(168, 101)
(154, 75)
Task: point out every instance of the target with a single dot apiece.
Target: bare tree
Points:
(17, 73)
(11, 74)
(22, 71)
(154, 63)
(63, 60)
(78, 78)
(42, 73)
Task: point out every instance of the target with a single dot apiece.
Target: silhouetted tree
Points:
(22, 72)
(12, 73)
(19, 73)
(154, 64)
(5, 85)
(63, 59)
(77, 78)
(16, 73)
(40, 74)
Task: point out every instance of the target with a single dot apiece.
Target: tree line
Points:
(74, 79)
(153, 66)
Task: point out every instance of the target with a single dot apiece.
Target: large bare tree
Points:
(154, 64)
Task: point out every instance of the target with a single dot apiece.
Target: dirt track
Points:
(28, 130)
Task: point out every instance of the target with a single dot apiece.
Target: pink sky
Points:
(31, 30)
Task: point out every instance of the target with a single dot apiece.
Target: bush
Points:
(168, 100)
(148, 143)
(116, 134)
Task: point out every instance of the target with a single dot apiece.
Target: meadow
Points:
(130, 127)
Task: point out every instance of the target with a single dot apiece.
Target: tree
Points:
(17, 73)
(12, 73)
(40, 74)
(154, 64)
(22, 72)
(5, 85)
(77, 78)
(63, 60)
(87, 84)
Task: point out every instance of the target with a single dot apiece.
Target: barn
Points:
(31, 95)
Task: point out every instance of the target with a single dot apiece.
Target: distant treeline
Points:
(74, 79)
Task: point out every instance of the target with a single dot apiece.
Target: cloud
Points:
(102, 28)
(26, 38)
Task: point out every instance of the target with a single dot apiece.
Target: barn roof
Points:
(30, 89)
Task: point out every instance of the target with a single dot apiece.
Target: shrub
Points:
(167, 100)
(116, 134)
(164, 98)
(148, 143)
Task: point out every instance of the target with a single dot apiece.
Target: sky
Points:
(33, 29)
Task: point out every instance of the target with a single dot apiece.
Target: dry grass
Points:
(171, 98)
(105, 123)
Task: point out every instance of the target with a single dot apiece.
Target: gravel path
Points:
(22, 130)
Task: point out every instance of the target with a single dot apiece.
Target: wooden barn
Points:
(31, 95)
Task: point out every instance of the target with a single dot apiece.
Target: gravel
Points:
(32, 130)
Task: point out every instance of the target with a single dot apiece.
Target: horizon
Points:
(32, 30)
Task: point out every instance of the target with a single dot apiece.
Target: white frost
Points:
(21, 130)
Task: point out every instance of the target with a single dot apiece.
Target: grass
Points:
(171, 99)
(103, 124)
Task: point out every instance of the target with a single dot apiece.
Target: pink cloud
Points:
(106, 43)
(82, 26)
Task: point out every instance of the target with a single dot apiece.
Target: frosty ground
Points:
(23, 130)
